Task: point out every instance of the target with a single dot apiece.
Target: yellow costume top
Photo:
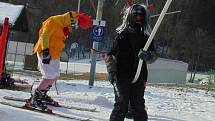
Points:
(51, 34)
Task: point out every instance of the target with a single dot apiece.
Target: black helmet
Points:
(137, 15)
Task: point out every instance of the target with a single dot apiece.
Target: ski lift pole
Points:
(164, 11)
(95, 45)
(157, 24)
(79, 4)
(173, 12)
(147, 2)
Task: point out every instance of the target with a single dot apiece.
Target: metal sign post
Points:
(95, 45)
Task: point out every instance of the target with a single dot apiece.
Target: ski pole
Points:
(116, 89)
(56, 88)
(32, 87)
(166, 6)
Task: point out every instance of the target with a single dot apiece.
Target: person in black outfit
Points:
(122, 62)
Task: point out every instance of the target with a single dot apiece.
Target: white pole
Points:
(79, 3)
(147, 2)
(157, 24)
(173, 12)
(166, 6)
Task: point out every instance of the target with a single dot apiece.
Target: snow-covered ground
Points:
(163, 104)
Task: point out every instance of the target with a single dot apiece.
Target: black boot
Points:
(47, 99)
(129, 115)
(37, 100)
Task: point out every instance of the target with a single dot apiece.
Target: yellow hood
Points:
(51, 35)
(63, 20)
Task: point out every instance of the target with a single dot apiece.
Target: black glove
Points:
(46, 56)
(144, 55)
(112, 77)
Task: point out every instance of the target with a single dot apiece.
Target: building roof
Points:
(16, 14)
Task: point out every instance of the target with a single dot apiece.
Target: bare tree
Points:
(198, 49)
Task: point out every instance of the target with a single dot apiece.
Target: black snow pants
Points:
(133, 93)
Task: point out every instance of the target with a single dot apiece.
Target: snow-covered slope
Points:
(163, 104)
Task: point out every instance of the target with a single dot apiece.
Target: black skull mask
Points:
(137, 15)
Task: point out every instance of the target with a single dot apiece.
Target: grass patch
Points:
(63, 76)
(17, 88)
(82, 76)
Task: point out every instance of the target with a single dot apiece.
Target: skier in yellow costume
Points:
(48, 48)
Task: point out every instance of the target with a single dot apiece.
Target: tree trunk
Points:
(196, 65)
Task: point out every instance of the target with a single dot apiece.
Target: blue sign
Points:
(98, 33)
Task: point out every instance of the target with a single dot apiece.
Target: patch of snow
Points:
(163, 103)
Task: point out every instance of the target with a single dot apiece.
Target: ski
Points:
(78, 108)
(45, 112)
(60, 105)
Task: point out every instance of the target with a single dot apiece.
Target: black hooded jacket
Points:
(125, 48)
